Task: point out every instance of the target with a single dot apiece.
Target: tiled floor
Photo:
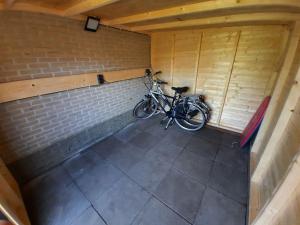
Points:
(144, 175)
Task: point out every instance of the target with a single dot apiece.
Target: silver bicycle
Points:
(185, 112)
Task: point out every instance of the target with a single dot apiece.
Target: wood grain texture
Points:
(284, 142)
(11, 91)
(129, 7)
(229, 20)
(11, 203)
(277, 170)
(113, 76)
(162, 57)
(254, 66)
(283, 207)
(186, 53)
(27, 88)
(286, 74)
(234, 67)
(216, 56)
(209, 8)
(86, 5)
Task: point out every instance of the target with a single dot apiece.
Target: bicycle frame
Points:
(159, 92)
(165, 98)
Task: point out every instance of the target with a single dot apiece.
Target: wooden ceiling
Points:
(149, 15)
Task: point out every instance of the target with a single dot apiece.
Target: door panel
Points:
(186, 53)
(216, 58)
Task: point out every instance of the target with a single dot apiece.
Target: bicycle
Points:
(186, 113)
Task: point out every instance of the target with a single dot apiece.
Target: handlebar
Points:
(158, 72)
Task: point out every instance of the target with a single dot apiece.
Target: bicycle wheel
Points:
(189, 116)
(205, 109)
(145, 108)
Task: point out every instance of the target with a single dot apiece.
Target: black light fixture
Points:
(92, 24)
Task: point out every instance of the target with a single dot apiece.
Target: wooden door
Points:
(186, 57)
(162, 56)
(11, 203)
(253, 74)
(216, 58)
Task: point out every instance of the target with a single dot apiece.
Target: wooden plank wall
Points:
(280, 154)
(234, 67)
(186, 54)
(287, 73)
(162, 50)
(275, 183)
(216, 59)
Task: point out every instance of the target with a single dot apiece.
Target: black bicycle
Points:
(183, 110)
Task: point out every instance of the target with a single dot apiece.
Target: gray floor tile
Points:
(127, 133)
(177, 136)
(230, 140)
(122, 203)
(144, 140)
(149, 172)
(107, 146)
(157, 130)
(126, 157)
(146, 153)
(145, 124)
(230, 181)
(203, 147)
(97, 179)
(166, 152)
(42, 187)
(88, 217)
(235, 157)
(156, 213)
(209, 134)
(181, 194)
(82, 162)
(61, 207)
(217, 209)
(195, 166)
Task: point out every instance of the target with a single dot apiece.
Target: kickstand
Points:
(163, 120)
(170, 121)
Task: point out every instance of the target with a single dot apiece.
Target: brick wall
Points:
(35, 46)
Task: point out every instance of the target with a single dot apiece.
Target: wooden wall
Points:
(234, 67)
(276, 198)
(275, 156)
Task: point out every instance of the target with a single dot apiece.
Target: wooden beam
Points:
(28, 88)
(205, 7)
(15, 90)
(114, 76)
(19, 6)
(9, 3)
(27, 7)
(249, 17)
(86, 5)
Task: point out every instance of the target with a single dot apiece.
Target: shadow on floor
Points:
(145, 175)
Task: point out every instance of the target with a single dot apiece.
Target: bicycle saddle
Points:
(180, 90)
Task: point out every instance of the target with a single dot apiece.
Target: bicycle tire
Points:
(186, 123)
(148, 106)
